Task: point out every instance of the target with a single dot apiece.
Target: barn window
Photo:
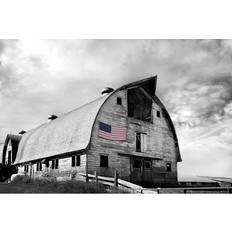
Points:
(76, 161)
(46, 162)
(140, 142)
(55, 164)
(158, 113)
(136, 163)
(104, 161)
(168, 167)
(119, 101)
(26, 168)
(39, 166)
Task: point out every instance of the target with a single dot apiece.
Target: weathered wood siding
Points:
(160, 142)
(65, 169)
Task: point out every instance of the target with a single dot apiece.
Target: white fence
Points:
(113, 181)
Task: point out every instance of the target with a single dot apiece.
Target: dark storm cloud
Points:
(223, 85)
(201, 102)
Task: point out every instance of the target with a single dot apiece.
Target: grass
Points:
(23, 184)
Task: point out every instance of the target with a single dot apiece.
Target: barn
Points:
(127, 129)
(10, 149)
(8, 155)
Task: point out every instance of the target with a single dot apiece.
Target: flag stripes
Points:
(111, 132)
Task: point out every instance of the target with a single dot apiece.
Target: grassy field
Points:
(22, 184)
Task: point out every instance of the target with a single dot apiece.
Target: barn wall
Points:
(116, 162)
(160, 141)
(64, 171)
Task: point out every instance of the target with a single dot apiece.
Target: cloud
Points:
(201, 101)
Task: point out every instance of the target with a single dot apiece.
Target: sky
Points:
(43, 77)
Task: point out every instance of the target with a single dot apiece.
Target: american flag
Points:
(111, 132)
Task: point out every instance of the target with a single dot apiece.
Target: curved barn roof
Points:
(72, 131)
(68, 133)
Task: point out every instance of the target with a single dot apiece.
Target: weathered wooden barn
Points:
(127, 129)
(8, 154)
(10, 149)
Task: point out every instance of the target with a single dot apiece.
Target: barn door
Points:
(147, 171)
(136, 170)
(141, 170)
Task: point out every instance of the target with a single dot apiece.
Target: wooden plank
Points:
(129, 185)
(110, 179)
(84, 174)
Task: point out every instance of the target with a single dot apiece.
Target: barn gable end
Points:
(10, 149)
(162, 150)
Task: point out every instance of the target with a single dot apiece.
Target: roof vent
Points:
(22, 132)
(106, 90)
(52, 117)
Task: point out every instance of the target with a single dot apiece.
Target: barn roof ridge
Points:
(138, 82)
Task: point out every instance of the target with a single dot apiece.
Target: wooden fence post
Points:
(115, 178)
(87, 178)
(95, 174)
